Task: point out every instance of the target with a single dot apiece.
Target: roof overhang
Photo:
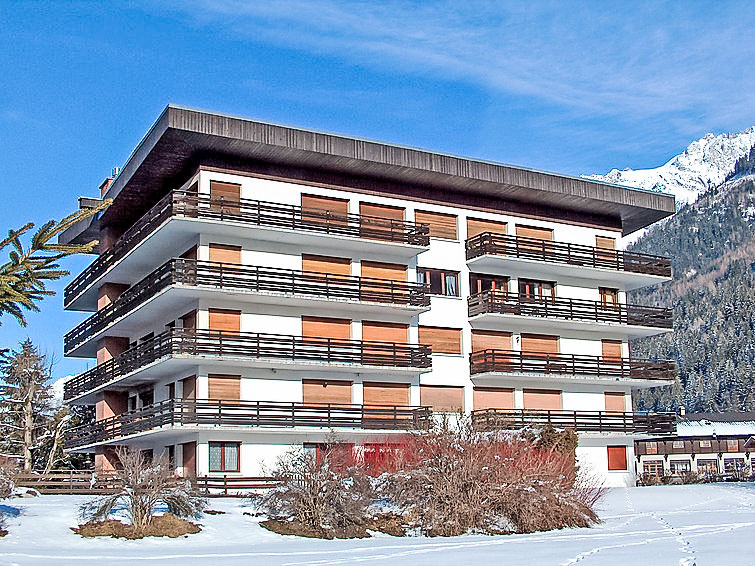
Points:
(184, 139)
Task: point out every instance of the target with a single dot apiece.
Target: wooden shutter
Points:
(477, 226)
(442, 398)
(381, 211)
(387, 271)
(189, 450)
(385, 332)
(224, 387)
(225, 196)
(615, 402)
(334, 206)
(605, 243)
(617, 457)
(542, 399)
(493, 398)
(325, 264)
(378, 393)
(441, 225)
(490, 340)
(539, 344)
(320, 327)
(189, 388)
(534, 232)
(375, 221)
(326, 391)
(221, 253)
(441, 340)
(222, 320)
(611, 349)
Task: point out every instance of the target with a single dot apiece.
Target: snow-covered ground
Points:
(679, 525)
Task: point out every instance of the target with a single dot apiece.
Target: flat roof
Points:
(183, 139)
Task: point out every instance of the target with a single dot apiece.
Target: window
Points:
(224, 456)
(707, 467)
(680, 466)
(441, 281)
(609, 298)
(651, 448)
(533, 289)
(171, 450)
(441, 225)
(678, 444)
(617, 458)
(479, 283)
(652, 467)
(441, 340)
(732, 445)
(734, 465)
(705, 444)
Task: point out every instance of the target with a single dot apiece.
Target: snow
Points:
(705, 163)
(662, 525)
(714, 428)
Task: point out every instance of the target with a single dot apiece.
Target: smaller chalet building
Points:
(711, 444)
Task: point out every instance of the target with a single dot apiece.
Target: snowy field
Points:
(679, 525)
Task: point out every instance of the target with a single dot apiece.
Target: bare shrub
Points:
(323, 493)
(8, 468)
(147, 485)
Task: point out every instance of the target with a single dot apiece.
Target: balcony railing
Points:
(500, 302)
(251, 279)
(510, 361)
(178, 412)
(579, 421)
(253, 213)
(274, 347)
(489, 243)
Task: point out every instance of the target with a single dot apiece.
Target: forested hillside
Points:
(711, 243)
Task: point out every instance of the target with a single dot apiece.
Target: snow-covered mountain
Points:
(705, 163)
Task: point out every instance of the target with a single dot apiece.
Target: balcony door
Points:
(542, 400)
(390, 394)
(225, 321)
(539, 345)
(380, 222)
(316, 391)
(490, 340)
(326, 264)
(479, 282)
(224, 388)
(222, 253)
(225, 196)
(615, 402)
(476, 226)
(611, 349)
(331, 211)
(536, 290)
(493, 398)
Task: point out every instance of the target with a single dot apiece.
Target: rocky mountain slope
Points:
(705, 163)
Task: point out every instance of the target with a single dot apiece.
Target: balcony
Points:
(579, 421)
(274, 222)
(191, 279)
(178, 349)
(537, 367)
(498, 310)
(531, 257)
(175, 413)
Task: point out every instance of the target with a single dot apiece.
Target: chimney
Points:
(109, 181)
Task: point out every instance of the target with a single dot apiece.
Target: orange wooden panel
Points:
(224, 387)
(223, 320)
(477, 226)
(542, 399)
(615, 402)
(381, 211)
(441, 340)
(378, 393)
(534, 232)
(229, 193)
(617, 457)
(442, 397)
(441, 225)
(222, 253)
(605, 243)
(611, 349)
(540, 343)
(490, 340)
(321, 327)
(385, 332)
(336, 206)
(326, 264)
(493, 398)
(326, 391)
(387, 271)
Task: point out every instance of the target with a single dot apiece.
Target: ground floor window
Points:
(707, 467)
(734, 465)
(617, 458)
(224, 456)
(680, 466)
(653, 468)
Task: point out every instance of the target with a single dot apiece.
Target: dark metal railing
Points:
(189, 342)
(253, 279)
(501, 302)
(179, 412)
(579, 421)
(249, 212)
(510, 361)
(489, 243)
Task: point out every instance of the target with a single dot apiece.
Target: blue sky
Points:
(576, 89)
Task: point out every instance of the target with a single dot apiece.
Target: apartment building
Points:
(261, 286)
(714, 445)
